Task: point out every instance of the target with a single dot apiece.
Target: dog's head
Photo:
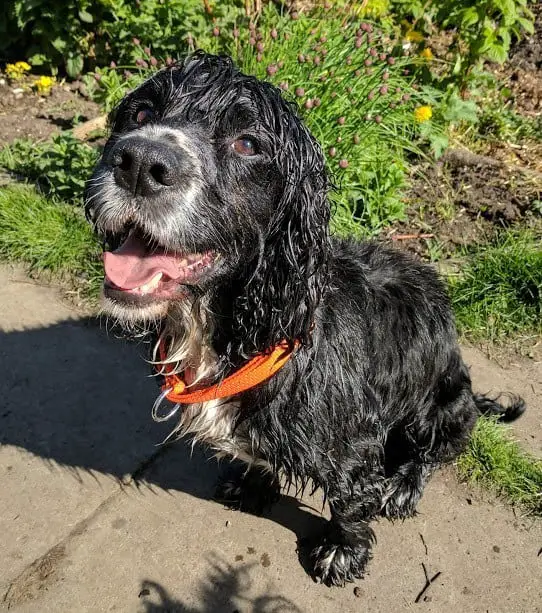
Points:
(210, 180)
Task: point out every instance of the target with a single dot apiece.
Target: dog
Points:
(212, 198)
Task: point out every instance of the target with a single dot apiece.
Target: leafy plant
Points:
(482, 29)
(59, 166)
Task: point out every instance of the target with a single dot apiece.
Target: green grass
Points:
(49, 236)
(498, 293)
(498, 463)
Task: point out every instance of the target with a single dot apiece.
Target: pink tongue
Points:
(130, 266)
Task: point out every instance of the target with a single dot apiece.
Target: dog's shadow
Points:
(76, 397)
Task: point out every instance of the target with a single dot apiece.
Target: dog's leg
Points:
(250, 489)
(354, 499)
(438, 437)
(404, 489)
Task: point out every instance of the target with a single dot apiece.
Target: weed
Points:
(59, 166)
(497, 462)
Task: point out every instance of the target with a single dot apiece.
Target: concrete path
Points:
(80, 534)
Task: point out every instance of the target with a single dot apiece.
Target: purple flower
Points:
(378, 119)
(272, 69)
(384, 90)
(301, 58)
(274, 33)
(113, 65)
(284, 85)
(358, 43)
(299, 91)
(368, 62)
(147, 50)
(235, 33)
(386, 76)
(309, 104)
(260, 47)
(371, 95)
(136, 41)
(343, 163)
(216, 31)
(391, 61)
(341, 120)
(153, 61)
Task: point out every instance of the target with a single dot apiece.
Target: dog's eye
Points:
(245, 146)
(143, 115)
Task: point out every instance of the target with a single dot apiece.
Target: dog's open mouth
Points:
(137, 269)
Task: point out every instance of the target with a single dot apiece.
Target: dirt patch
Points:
(27, 115)
(464, 199)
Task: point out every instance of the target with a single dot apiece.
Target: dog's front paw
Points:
(335, 564)
(253, 492)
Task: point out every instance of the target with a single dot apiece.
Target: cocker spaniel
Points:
(311, 358)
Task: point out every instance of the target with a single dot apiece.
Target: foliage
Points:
(59, 166)
(79, 34)
(48, 235)
(482, 30)
(497, 462)
(499, 291)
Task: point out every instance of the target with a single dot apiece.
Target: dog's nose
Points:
(143, 166)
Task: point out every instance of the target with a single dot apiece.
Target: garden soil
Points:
(95, 516)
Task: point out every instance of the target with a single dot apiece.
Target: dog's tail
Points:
(489, 406)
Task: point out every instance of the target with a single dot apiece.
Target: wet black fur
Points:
(376, 396)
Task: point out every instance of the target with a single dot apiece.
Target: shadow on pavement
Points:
(225, 590)
(80, 400)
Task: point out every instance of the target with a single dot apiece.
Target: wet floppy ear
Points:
(281, 297)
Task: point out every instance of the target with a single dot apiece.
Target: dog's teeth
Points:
(151, 285)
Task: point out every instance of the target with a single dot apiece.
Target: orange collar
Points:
(255, 371)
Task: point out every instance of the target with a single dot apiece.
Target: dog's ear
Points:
(282, 293)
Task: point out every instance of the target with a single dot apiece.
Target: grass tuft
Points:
(48, 235)
(498, 294)
(497, 462)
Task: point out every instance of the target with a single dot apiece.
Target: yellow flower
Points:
(427, 54)
(414, 37)
(16, 71)
(44, 85)
(423, 113)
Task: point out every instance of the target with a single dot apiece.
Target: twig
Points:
(404, 237)
(428, 582)
(424, 543)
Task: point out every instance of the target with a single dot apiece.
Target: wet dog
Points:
(212, 198)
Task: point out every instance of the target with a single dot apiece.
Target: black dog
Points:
(212, 197)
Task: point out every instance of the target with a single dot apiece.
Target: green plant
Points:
(498, 293)
(482, 30)
(497, 462)
(82, 34)
(49, 236)
(59, 166)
